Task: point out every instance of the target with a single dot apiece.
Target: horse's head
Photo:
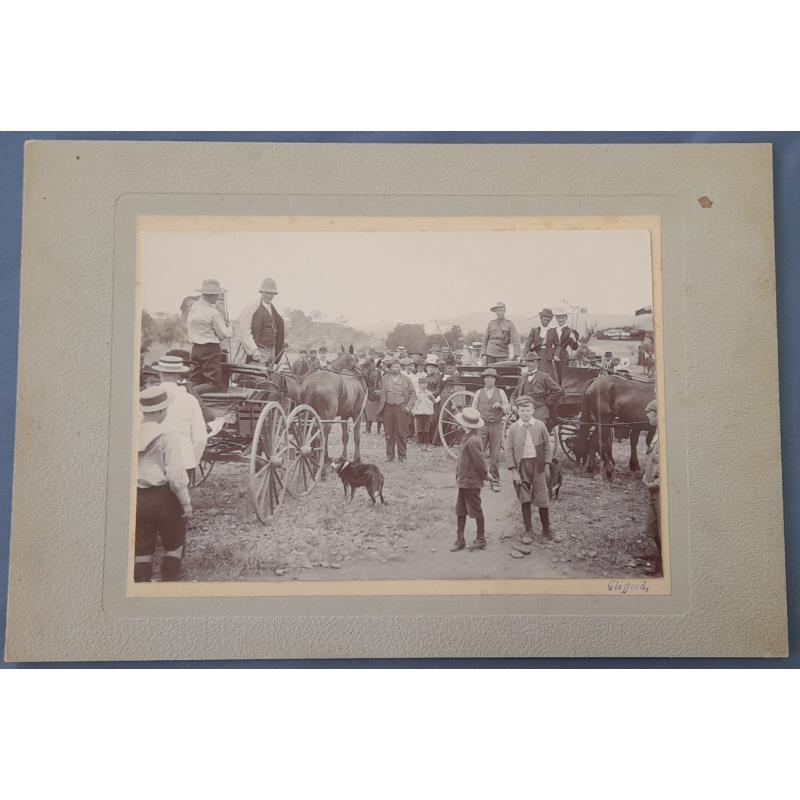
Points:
(369, 369)
(346, 361)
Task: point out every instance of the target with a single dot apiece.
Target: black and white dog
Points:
(356, 475)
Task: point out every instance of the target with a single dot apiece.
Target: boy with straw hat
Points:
(470, 474)
(162, 490)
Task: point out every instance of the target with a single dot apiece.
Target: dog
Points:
(355, 475)
(555, 480)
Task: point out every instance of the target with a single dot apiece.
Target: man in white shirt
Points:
(184, 415)
(207, 328)
(492, 404)
(261, 327)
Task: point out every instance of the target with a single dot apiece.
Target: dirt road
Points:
(598, 528)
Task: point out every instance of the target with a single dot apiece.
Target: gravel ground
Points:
(598, 527)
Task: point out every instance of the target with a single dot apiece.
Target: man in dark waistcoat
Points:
(542, 389)
(261, 327)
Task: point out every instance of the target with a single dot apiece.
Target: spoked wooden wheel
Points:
(306, 451)
(567, 431)
(450, 432)
(269, 460)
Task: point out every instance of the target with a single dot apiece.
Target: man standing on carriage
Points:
(261, 327)
(500, 339)
(545, 393)
(207, 328)
(566, 339)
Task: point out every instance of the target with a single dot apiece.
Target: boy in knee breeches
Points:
(470, 474)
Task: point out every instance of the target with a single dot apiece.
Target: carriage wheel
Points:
(306, 451)
(268, 460)
(450, 432)
(567, 431)
(202, 471)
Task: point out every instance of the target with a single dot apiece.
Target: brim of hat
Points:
(461, 421)
(173, 370)
(158, 407)
(200, 291)
(494, 308)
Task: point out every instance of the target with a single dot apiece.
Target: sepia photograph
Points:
(355, 402)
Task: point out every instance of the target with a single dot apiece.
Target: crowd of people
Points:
(405, 407)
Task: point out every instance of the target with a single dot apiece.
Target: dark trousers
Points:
(394, 424)
(654, 516)
(422, 423)
(158, 514)
(207, 369)
(492, 439)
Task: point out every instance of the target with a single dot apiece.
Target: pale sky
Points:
(391, 277)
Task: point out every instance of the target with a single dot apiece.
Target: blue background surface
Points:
(786, 153)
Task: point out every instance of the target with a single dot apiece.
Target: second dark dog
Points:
(556, 479)
(356, 475)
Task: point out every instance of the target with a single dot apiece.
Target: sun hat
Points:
(498, 304)
(210, 286)
(171, 364)
(406, 361)
(469, 418)
(269, 285)
(489, 371)
(154, 398)
(561, 312)
(477, 345)
(431, 359)
(652, 406)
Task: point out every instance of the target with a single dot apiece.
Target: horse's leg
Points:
(357, 441)
(607, 448)
(634, 439)
(345, 439)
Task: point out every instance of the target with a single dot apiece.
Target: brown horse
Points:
(340, 391)
(610, 398)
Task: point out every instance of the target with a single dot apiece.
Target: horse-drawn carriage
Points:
(259, 420)
(469, 380)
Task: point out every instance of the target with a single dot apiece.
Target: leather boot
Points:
(480, 538)
(170, 568)
(527, 537)
(460, 543)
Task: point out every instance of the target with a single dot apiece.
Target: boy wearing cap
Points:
(501, 337)
(492, 404)
(422, 412)
(470, 475)
(261, 327)
(529, 448)
(162, 490)
(545, 393)
(184, 414)
(207, 328)
(651, 478)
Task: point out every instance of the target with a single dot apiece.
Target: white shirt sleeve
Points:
(549, 451)
(198, 432)
(504, 401)
(245, 328)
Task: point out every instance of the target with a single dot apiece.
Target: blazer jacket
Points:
(471, 469)
(409, 394)
(515, 443)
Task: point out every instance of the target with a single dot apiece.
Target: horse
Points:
(341, 391)
(610, 398)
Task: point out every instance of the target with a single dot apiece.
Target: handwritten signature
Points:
(628, 587)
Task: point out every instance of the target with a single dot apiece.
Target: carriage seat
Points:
(231, 396)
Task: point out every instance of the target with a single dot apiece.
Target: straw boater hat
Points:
(171, 364)
(498, 304)
(269, 285)
(489, 371)
(406, 361)
(210, 286)
(153, 399)
(652, 406)
(470, 418)
(431, 359)
(476, 345)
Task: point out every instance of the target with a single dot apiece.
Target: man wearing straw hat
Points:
(500, 339)
(261, 327)
(470, 475)
(207, 328)
(492, 404)
(184, 414)
(162, 490)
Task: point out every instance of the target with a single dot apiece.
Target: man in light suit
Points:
(394, 405)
